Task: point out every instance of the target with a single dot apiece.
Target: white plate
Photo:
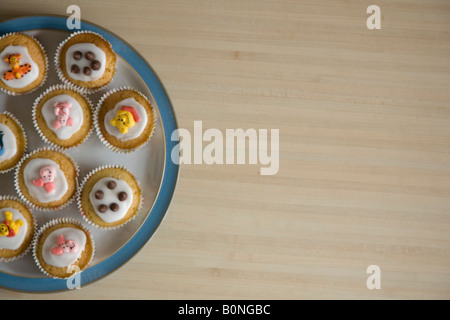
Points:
(151, 164)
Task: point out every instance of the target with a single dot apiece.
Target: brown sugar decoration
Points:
(90, 56)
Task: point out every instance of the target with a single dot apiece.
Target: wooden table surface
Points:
(364, 120)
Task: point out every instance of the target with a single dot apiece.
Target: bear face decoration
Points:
(65, 246)
(125, 118)
(46, 181)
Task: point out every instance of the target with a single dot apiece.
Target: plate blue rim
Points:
(171, 174)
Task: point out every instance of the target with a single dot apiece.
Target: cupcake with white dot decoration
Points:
(86, 60)
(109, 197)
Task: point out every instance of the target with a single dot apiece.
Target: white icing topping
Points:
(68, 258)
(32, 172)
(133, 132)
(9, 143)
(13, 243)
(111, 196)
(26, 58)
(76, 113)
(83, 62)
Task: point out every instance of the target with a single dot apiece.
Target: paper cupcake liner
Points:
(26, 200)
(60, 72)
(51, 224)
(80, 190)
(67, 86)
(24, 138)
(12, 93)
(97, 122)
(35, 226)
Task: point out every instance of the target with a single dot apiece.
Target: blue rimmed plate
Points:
(152, 164)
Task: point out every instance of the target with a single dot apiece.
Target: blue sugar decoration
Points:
(2, 149)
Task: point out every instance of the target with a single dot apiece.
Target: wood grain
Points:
(364, 148)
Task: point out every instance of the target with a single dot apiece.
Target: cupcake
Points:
(13, 142)
(63, 116)
(109, 197)
(124, 120)
(86, 60)
(17, 226)
(23, 64)
(62, 248)
(46, 179)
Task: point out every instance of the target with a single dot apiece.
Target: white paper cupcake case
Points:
(60, 73)
(24, 137)
(12, 93)
(97, 122)
(26, 200)
(80, 190)
(38, 100)
(51, 224)
(35, 226)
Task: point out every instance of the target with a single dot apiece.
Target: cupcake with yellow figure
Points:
(124, 120)
(17, 226)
